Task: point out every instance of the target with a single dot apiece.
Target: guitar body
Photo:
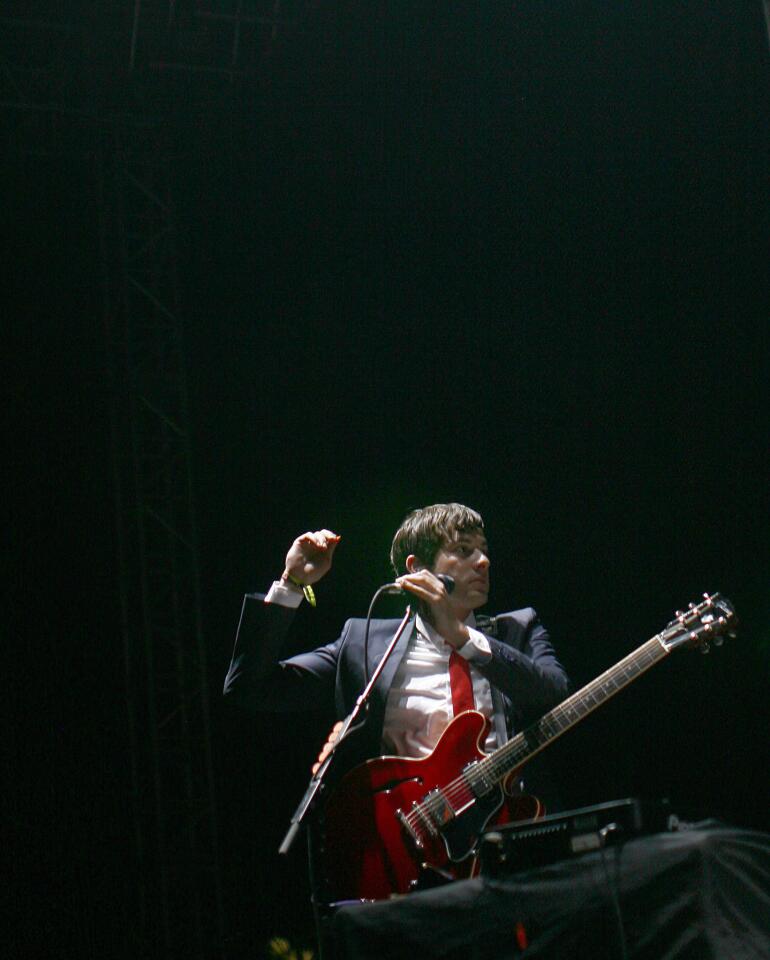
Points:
(395, 824)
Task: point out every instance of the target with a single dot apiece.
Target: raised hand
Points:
(310, 556)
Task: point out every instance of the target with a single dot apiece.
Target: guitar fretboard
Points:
(526, 744)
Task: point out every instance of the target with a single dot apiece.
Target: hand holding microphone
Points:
(434, 590)
(398, 588)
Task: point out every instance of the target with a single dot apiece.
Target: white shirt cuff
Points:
(284, 595)
(476, 647)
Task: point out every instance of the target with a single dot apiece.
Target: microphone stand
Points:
(317, 779)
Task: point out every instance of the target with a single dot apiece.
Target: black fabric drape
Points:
(696, 894)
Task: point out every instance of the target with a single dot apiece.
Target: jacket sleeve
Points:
(258, 679)
(524, 665)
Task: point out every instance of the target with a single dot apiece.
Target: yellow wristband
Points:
(306, 589)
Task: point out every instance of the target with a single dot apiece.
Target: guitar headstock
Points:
(701, 624)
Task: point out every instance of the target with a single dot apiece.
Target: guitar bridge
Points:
(410, 829)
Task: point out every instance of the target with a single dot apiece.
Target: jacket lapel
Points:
(381, 688)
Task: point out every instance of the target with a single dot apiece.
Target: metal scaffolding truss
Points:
(766, 6)
(178, 889)
(44, 107)
(228, 36)
(97, 64)
(91, 86)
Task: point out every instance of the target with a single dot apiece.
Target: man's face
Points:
(467, 562)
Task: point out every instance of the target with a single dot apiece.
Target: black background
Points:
(500, 254)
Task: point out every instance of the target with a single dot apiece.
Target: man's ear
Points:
(413, 564)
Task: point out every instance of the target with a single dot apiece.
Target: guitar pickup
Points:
(441, 812)
(480, 785)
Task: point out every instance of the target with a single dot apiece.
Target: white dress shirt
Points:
(419, 705)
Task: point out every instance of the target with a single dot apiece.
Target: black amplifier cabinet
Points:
(558, 836)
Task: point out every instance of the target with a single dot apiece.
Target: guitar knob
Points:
(705, 647)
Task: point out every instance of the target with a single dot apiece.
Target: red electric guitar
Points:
(393, 822)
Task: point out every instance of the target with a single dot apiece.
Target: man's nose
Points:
(482, 561)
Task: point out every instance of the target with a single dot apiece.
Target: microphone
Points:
(395, 588)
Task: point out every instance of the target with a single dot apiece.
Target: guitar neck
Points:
(534, 738)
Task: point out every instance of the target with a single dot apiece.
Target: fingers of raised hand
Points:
(320, 539)
(331, 540)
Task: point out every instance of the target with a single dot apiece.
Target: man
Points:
(510, 673)
(515, 674)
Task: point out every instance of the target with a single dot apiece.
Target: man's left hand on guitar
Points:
(326, 749)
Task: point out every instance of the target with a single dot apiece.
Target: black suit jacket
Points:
(524, 672)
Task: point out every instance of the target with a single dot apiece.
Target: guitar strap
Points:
(493, 626)
(488, 626)
(498, 715)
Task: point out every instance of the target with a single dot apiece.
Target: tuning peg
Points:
(704, 646)
(718, 640)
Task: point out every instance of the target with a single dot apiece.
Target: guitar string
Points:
(555, 722)
(461, 789)
(550, 725)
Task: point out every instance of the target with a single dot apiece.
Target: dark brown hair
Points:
(426, 530)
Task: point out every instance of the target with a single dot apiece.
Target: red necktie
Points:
(460, 683)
